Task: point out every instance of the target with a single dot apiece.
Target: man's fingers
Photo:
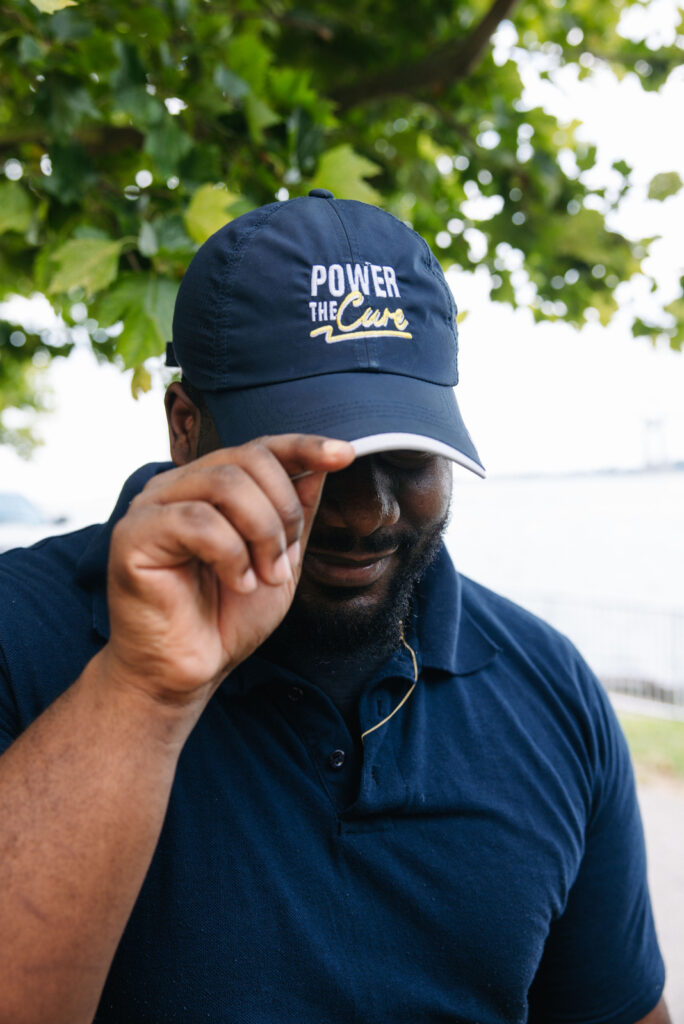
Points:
(268, 528)
(182, 532)
(301, 453)
(251, 486)
(297, 453)
(270, 475)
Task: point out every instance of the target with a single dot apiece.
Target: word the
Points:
(372, 323)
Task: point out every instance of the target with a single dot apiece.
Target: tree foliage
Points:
(130, 131)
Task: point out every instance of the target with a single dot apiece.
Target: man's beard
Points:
(340, 626)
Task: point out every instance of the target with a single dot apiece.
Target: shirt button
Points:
(295, 693)
(337, 759)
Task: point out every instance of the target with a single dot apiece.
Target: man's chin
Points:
(351, 614)
(341, 621)
(364, 621)
(333, 610)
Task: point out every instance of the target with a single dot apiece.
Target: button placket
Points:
(322, 729)
(336, 760)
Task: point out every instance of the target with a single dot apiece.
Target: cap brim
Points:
(375, 411)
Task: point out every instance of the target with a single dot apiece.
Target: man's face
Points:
(378, 527)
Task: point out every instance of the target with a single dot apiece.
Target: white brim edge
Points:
(374, 443)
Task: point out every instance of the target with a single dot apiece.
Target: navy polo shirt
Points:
(477, 857)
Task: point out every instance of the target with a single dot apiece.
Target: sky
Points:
(536, 398)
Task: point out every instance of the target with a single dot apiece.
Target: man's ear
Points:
(183, 418)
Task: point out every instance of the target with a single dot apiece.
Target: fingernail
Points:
(248, 582)
(336, 447)
(282, 570)
(294, 553)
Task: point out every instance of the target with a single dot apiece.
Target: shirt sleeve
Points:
(9, 726)
(601, 962)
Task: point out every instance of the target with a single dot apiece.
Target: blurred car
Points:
(22, 523)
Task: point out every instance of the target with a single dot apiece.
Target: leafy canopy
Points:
(130, 130)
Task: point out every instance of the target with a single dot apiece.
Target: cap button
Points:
(321, 193)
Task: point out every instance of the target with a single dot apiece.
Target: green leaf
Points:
(16, 277)
(88, 263)
(675, 309)
(72, 173)
(306, 140)
(584, 237)
(259, 117)
(29, 50)
(16, 210)
(208, 211)
(231, 84)
(160, 300)
(172, 238)
(343, 171)
(131, 69)
(606, 304)
(50, 6)
(622, 167)
(144, 110)
(141, 381)
(145, 304)
(167, 144)
(248, 58)
(664, 185)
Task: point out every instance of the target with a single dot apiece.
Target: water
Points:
(600, 556)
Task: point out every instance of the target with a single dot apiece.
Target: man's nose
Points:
(360, 499)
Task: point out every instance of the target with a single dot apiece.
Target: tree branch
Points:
(26, 24)
(446, 64)
(96, 140)
(300, 22)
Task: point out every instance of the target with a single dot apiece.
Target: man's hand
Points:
(204, 565)
(197, 580)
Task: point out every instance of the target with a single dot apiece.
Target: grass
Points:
(656, 744)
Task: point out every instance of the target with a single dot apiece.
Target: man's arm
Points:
(202, 568)
(601, 958)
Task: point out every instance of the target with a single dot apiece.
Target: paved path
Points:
(662, 809)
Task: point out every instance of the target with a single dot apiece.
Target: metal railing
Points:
(633, 650)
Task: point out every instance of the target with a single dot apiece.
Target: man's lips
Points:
(352, 570)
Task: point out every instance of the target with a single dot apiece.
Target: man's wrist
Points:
(141, 706)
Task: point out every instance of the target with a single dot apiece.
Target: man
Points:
(289, 766)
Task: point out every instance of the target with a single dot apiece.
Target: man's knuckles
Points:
(229, 489)
(292, 518)
(218, 483)
(269, 460)
(162, 531)
(193, 517)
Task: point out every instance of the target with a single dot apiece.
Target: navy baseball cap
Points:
(323, 316)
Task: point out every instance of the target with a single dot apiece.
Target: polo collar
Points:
(448, 636)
